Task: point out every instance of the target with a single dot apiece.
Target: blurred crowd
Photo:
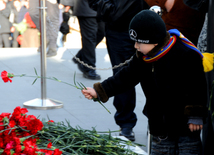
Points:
(17, 23)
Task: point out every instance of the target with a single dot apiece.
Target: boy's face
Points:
(144, 48)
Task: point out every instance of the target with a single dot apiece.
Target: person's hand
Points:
(12, 29)
(169, 4)
(67, 8)
(194, 127)
(89, 93)
(61, 6)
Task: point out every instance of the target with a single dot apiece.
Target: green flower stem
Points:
(101, 104)
(80, 87)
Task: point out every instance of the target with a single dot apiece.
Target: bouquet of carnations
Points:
(19, 134)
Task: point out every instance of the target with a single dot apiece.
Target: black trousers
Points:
(14, 42)
(91, 36)
(120, 48)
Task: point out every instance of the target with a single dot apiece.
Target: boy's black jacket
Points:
(174, 87)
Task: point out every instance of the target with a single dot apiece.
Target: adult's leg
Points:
(88, 30)
(15, 35)
(52, 28)
(1, 41)
(121, 48)
(100, 31)
(5, 38)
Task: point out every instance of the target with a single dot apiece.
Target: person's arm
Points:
(67, 8)
(126, 78)
(67, 2)
(106, 9)
(196, 91)
(4, 10)
(111, 10)
(200, 5)
(169, 4)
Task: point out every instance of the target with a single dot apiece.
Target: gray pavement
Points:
(76, 109)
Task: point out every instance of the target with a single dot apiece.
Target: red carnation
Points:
(6, 76)
(2, 126)
(18, 113)
(49, 145)
(57, 152)
(50, 121)
(1, 143)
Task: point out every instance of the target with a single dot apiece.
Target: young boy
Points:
(173, 80)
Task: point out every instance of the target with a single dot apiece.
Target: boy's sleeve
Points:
(102, 96)
(196, 121)
(196, 89)
(125, 79)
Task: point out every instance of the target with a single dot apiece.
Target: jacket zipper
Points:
(153, 68)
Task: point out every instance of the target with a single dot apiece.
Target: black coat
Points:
(117, 13)
(67, 2)
(82, 9)
(200, 5)
(174, 87)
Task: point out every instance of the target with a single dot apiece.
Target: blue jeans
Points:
(181, 145)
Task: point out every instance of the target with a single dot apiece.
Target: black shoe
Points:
(91, 74)
(51, 53)
(128, 133)
(88, 74)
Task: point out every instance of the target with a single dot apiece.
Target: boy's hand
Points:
(89, 93)
(194, 127)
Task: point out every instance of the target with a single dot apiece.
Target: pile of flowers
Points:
(18, 134)
(22, 134)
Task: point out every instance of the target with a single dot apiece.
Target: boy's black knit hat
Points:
(147, 27)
